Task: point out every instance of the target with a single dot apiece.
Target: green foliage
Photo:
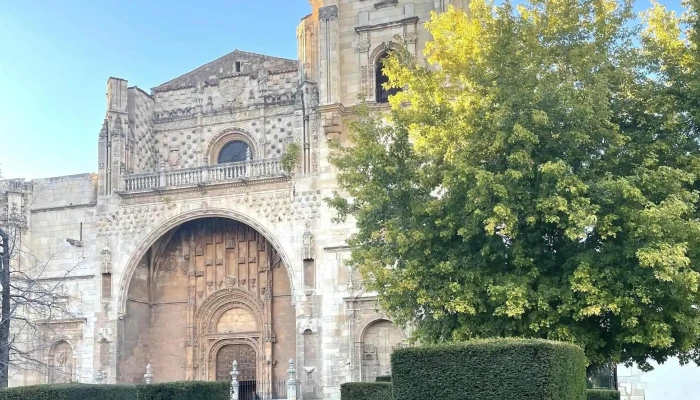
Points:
(185, 391)
(366, 391)
(599, 394)
(161, 391)
(290, 158)
(384, 378)
(550, 190)
(490, 370)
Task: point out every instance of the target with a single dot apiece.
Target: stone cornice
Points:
(201, 187)
(223, 116)
(386, 3)
(68, 207)
(337, 248)
(334, 107)
(401, 22)
(57, 278)
(62, 321)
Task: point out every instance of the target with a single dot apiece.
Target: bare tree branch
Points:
(33, 299)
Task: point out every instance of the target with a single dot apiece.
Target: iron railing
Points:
(603, 376)
(256, 390)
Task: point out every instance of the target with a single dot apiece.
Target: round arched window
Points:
(234, 151)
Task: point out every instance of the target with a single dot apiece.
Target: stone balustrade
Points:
(208, 174)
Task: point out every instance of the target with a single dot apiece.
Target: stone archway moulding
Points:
(380, 50)
(223, 300)
(368, 321)
(136, 256)
(226, 135)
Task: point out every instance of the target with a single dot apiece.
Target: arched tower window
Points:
(380, 79)
(234, 151)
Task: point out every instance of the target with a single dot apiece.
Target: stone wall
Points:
(321, 315)
(140, 107)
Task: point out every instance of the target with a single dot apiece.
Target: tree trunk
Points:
(5, 321)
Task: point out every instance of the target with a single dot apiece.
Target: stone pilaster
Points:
(329, 77)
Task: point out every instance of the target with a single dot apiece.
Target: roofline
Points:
(204, 65)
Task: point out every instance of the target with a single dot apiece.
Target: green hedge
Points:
(160, 391)
(602, 394)
(185, 391)
(490, 370)
(366, 391)
(384, 378)
(70, 392)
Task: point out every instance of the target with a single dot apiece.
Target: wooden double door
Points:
(241, 353)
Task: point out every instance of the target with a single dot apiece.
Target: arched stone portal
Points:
(378, 341)
(61, 365)
(208, 290)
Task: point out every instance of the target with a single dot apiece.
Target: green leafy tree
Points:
(537, 177)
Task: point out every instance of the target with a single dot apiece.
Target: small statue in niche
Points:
(308, 243)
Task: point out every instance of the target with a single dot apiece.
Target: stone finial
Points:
(292, 381)
(100, 376)
(247, 154)
(148, 376)
(234, 381)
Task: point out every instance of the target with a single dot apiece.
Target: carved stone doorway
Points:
(378, 341)
(244, 355)
(205, 285)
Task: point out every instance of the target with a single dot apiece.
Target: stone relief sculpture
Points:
(61, 363)
(308, 243)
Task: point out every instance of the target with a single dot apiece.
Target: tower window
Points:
(238, 66)
(380, 79)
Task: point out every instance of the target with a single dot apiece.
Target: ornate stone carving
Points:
(106, 261)
(104, 335)
(308, 243)
(269, 334)
(308, 324)
(174, 157)
(232, 88)
(327, 13)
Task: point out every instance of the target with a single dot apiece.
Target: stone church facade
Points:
(191, 246)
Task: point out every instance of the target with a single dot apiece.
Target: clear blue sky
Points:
(56, 56)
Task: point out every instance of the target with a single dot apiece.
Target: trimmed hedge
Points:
(194, 390)
(160, 391)
(602, 394)
(366, 391)
(385, 378)
(490, 370)
(70, 392)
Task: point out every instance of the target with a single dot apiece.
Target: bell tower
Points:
(341, 44)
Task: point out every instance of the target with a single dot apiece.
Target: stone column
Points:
(328, 41)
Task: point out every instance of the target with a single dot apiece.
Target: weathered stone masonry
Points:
(190, 246)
